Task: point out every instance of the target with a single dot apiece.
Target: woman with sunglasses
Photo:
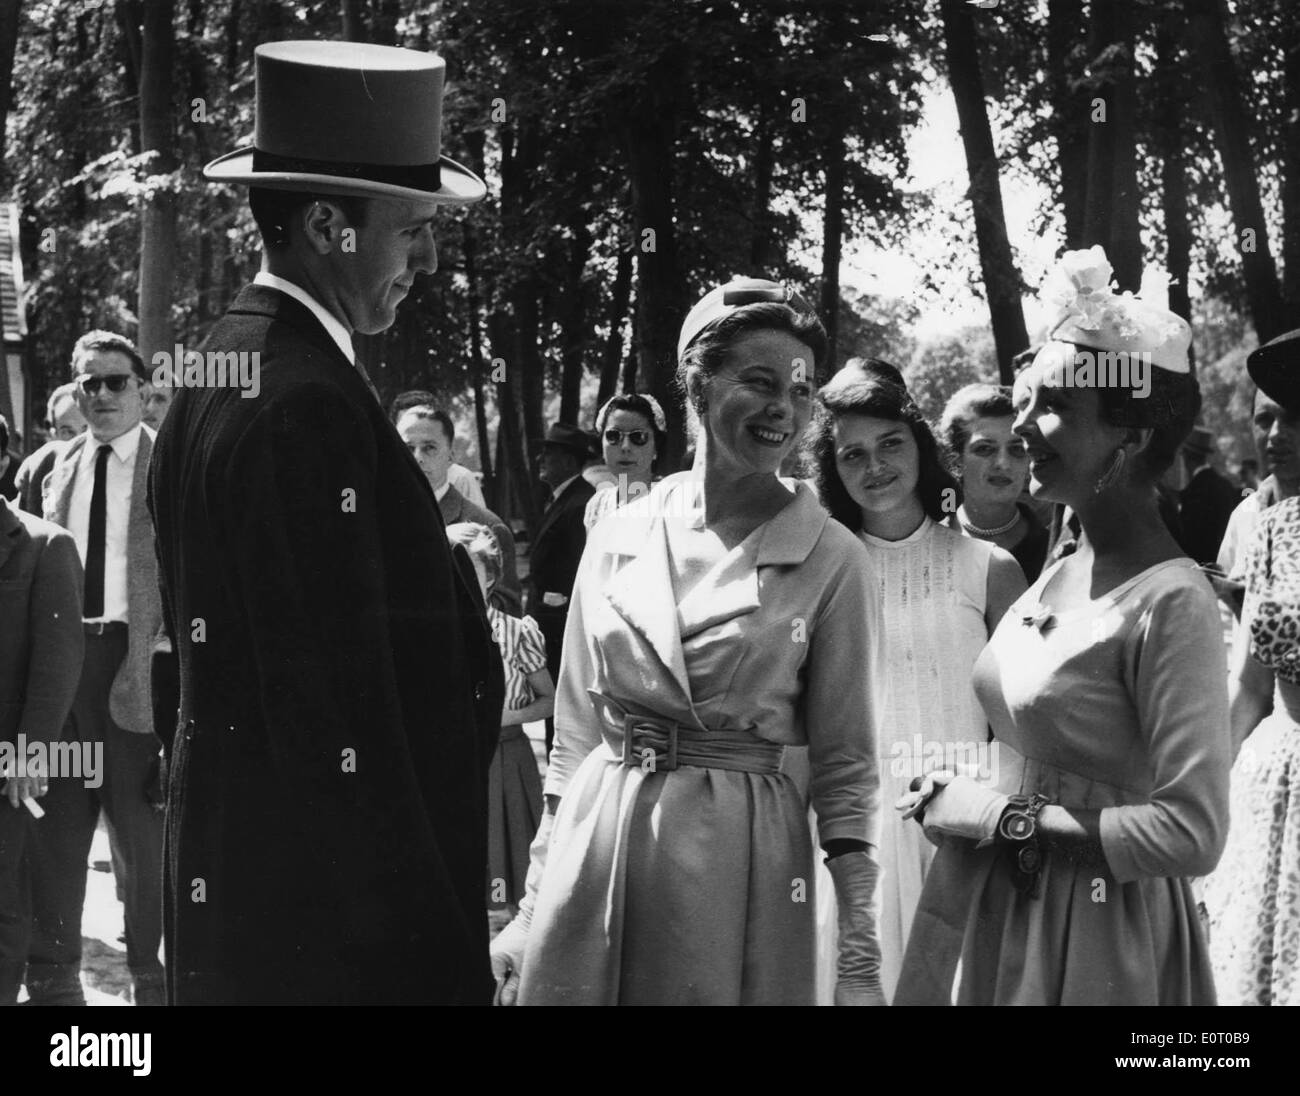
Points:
(632, 431)
(1253, 898)
(722, 618)
(992, 466)
(880, 475)
(1065, 877)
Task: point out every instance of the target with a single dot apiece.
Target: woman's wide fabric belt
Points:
(655, 743)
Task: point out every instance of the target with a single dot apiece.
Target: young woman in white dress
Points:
(880, 474)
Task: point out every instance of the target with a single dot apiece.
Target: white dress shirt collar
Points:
(441, 492)
(124, 446)
(328, 320)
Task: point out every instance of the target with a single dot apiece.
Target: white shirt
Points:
(328, 320)
(1237, 537)
(466, 483)
(119, 475)
(440, 493)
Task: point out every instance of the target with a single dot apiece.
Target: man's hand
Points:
(18, 788)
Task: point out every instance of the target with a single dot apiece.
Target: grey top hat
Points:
(349, 118)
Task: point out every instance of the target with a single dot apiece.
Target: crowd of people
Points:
(854, 709)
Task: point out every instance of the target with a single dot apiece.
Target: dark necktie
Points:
(94, 607)
(369, 383)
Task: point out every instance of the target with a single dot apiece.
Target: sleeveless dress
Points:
(514, 786)
(1253, 898)
(933, 591)
(1119, 705)
(680, 868)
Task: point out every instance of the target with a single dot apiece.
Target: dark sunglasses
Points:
(114, 382)
(782, 294)
(636, 437)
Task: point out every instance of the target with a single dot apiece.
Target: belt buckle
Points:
(663, 762)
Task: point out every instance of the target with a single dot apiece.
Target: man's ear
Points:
(322, 224)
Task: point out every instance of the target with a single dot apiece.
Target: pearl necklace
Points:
(987, 534)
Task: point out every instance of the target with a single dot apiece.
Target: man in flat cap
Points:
(338, 693)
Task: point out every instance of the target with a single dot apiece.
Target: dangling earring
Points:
(1112, 473)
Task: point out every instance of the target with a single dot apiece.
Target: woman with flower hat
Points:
(1065, 879)
(1253, 898)
(722, 618)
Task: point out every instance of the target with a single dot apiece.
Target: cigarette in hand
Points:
(37, 810)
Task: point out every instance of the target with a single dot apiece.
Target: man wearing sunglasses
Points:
(97, 491)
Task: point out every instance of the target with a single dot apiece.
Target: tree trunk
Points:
(508, 423)
(631, 358)
(573, 318)
(232, 42)
(1291, 171)
(763, 255)
(649, 139)
(1069, 112)
(476, 363)
(198, 80)
(8, 47)
(1232, 132)
(353, 24)
(612, 353)
(1170, 87)
(833, 154)
(157, 136)
(997, 263)
(1111, 204)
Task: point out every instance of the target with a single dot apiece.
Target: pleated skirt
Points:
(690, 887)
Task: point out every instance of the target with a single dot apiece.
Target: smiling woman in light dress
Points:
(1066, 878)
(715, 622)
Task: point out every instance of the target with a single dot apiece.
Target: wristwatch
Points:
(1018, 828)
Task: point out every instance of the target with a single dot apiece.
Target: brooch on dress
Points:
(1041, 618)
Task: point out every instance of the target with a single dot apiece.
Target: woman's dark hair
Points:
(638, 405)
(709, 350)
(875, 388)
(975, 401)
(1168, 409)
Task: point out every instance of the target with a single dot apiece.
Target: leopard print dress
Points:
(1254, 897)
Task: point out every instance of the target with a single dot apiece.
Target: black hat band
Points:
(414, 177)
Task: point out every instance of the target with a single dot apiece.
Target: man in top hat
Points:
(559, 541)
(339, 692)
(1207, 501)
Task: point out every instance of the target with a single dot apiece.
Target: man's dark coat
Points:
(1204, 507)
(339, 692)
(553, 563)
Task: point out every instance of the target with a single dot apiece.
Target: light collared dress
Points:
(1120, 705)
(695, 884)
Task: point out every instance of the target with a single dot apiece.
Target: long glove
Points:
(507, 950)
(856, 877)
(964, 808)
